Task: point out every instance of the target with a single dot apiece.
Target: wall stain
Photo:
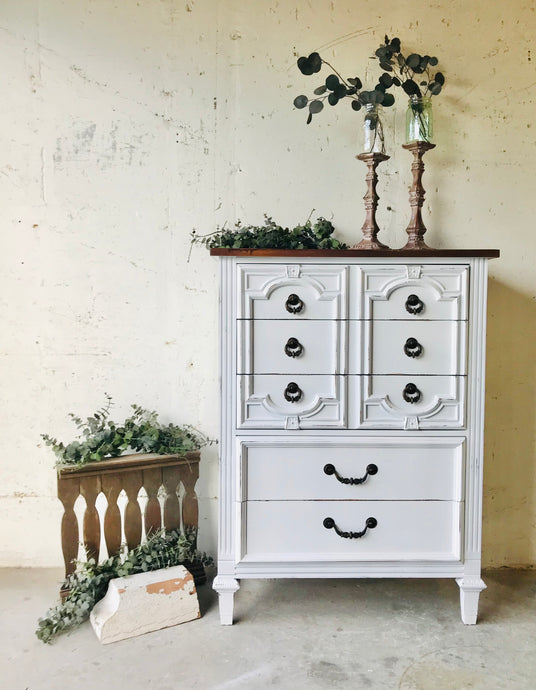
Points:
(104, 146)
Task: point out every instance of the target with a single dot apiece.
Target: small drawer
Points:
(292, 291)
(415, 292)
(415, 347)
(368, 469)
(405, 530)
(413, 402)
(287, 347)
(291, 402)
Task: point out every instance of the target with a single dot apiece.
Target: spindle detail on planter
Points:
(128, 473)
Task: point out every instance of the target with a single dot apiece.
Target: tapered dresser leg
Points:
(469, 594)
(226, 588)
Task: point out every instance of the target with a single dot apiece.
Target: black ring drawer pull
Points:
(372, 469)
(413, 348)
(294, 305)
(293, 348)
(329, 523)
(411, 393)
(293, 392)
(414, 305)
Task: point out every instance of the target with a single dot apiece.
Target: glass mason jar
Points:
(374, 141)
(419, 120)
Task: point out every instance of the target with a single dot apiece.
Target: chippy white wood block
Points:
(138, 604)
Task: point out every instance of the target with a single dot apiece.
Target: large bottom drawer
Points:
(405, 530)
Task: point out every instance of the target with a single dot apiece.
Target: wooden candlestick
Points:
(370, 228)
(416, 227)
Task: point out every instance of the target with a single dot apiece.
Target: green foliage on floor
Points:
(89, 583)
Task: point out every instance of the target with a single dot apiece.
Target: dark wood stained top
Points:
(361, 253)
(124, 463)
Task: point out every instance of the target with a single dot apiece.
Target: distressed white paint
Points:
(112, 150)
(138, 604)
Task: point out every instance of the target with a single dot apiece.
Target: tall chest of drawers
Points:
(352, 412)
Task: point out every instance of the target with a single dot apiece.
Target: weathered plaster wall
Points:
(124, 125)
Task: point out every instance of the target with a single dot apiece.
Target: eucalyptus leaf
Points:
(315, 107)
(315, 61)
(300, 101)
(413, 60)
(320, 90)
(304, 66)
(386, 79)
(332, 82)
(411, 88)
(333, 99)
(355, 81)
(379, 96)
(310, 65)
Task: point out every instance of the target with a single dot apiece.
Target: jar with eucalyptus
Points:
(419, 120)
(374, 141)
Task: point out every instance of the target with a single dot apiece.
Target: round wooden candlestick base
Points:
(370, 228)
(416, 227)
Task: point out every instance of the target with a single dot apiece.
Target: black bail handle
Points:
(371, 470)
(370, 523)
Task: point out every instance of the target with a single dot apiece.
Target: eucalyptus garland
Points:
(270, 235)
(141, 432)
(89, 583)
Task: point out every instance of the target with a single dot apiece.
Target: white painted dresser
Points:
(352, 416)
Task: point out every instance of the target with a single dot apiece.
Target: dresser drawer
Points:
(416, 292)
(405, 530)
(292, 291)
(410, 347)
(291, 402)
(412, 402)
(290, 347)
(399, 469)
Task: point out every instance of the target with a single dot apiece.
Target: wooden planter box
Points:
(129, 473)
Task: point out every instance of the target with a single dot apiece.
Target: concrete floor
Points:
(289, 634)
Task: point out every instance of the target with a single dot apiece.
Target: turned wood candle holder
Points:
(370, 228)
(416, 227)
